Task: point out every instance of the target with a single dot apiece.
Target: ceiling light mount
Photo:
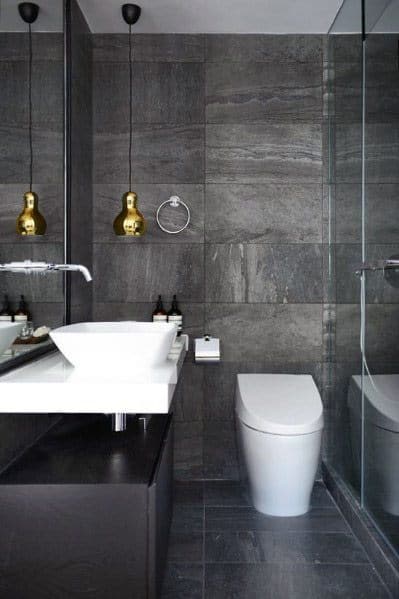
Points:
(131, 13)
(28, 12)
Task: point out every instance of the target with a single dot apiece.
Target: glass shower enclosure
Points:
(362, 199)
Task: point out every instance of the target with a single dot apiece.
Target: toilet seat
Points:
(279, 404)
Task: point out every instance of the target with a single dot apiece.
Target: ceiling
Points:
(50, 16)
(215, 16)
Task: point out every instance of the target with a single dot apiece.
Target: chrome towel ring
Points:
(175, 202)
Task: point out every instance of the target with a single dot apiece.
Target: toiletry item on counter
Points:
(207, 349)
(33, 337)
(159, 314)
(22, 314)
(6, 313)
(175, 316)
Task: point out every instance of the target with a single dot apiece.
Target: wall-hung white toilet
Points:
(279, 425)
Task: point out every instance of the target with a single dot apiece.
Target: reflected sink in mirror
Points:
(9, 331)
(115, 346)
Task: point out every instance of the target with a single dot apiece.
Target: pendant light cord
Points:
(130, 107)
(30, 109)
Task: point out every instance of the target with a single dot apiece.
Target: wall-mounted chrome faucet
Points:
(27, 267)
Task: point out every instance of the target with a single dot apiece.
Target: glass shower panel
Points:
(344, 66)
(381, 241)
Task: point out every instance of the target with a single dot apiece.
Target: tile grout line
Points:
(203, 541)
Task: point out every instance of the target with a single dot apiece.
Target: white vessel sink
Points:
(9, 331)
(115, 346)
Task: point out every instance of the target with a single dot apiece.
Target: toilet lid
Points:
(280, 404)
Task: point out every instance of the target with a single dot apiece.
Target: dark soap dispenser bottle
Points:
(22, 314)
(175, 315)
(159, 314)
(6, 314)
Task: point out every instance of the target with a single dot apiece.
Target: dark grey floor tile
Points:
(188, 451)
(289, 581)
(186, 546)
(223, 493)
(188, 492)
(183, 581)
(237, 519)
(320, 496)
(187, 518)
(220, 451)
(272, 547)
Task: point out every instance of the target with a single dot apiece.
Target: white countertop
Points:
(51, 385)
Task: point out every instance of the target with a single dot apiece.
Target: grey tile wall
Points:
(232, 124)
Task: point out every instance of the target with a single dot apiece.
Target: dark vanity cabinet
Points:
(86, 512)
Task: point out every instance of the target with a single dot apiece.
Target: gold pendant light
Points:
(130, 221)
(30, 221)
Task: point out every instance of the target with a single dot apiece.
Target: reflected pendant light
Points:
(30, 221)
(130, 221)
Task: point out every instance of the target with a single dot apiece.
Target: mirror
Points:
(43, 295)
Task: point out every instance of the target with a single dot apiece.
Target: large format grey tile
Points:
(253, 153)
(280, 581)
(162, 93)
(381, 338)
(149, 48)
(264, 48)
(47, 157)
(139, 273)
(236, 519)
(107, 203)
(255, 92)
(282, 548)
(263, 213)
(284, 273)
(382, 213)
(225, 273)
(348, 258)
(45, 46)
(161, 154)
(183, 581)
(187, 518)
(290, 332)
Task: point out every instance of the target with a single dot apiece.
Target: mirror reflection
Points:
(31, 172)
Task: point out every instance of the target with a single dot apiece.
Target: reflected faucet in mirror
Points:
(28, 267)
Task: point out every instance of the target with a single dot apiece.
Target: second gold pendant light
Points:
(130, 221)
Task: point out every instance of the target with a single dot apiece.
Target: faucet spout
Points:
(27, 266)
